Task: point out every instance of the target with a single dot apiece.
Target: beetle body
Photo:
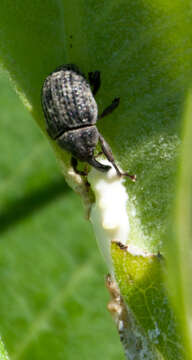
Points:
(71, 114)
(67, 101)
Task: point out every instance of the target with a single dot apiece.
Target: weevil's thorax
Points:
(68, 101)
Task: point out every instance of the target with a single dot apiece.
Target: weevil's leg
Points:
(108, 153)
(97, 165)
(74, 164)
(95, 81)
(110, 108)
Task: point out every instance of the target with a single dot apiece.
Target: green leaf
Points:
(3, 352)
(142, 285)
(143, 50)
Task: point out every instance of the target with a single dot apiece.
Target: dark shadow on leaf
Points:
(17, 210)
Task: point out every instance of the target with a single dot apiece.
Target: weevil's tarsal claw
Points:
(119, 173)
(132, 177)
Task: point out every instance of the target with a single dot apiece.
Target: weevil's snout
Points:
(97, 165)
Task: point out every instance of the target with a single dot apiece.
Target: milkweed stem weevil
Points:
(71, 114)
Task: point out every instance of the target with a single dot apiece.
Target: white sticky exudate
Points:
(109, 213)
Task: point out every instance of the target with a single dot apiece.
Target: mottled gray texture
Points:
(67, 101)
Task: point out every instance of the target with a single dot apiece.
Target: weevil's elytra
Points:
(71, 114)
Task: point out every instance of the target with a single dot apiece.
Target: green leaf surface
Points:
(3, 352)
(53, 300)
(141, 282)
(179, 282)
(143, 50)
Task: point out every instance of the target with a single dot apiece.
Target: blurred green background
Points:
(53, 299)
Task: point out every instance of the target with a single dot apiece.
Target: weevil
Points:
(71, 114)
